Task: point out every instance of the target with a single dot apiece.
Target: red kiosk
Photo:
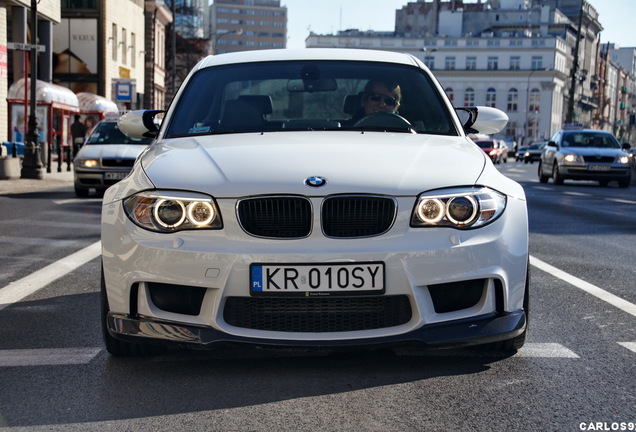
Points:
(55, 105)
(94, 108)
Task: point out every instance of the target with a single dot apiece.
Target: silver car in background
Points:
(584, 154)
(107, 157)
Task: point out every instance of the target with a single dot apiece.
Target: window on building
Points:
(491, 97)
(513, 100)
(124, 46)
(133, 50)
(449, 63)
(469, 97)
(471, 63)
(493, 63)
(115, 43)
(534, 102)
(429, 61)
(537, 62)
(450, 93)
(511, 129)
(515, 63)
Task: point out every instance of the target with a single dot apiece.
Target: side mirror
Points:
(552, 144)
(482, 119)
(139, 123)
(627, 147)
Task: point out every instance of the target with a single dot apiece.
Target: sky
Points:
(330, 16)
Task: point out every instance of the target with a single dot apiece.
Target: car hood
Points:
(592, 151)
(110, 151)
(236, 165)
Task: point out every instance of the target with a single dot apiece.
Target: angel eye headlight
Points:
(431, 210)
(164, 211)
(169, 213)
(459, 208)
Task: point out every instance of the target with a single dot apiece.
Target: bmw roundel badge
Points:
(316, 181)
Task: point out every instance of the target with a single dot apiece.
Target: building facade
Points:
(515, 55)
(157, 19)
(243, 25)
(112, 48)
(15, 25)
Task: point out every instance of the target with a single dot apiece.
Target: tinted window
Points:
(109, 133)
(307, 95)
(589, 139)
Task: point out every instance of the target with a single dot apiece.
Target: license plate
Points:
(599, 167)
(317, 279)
(115, 175)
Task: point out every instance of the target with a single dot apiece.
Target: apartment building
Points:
(243, 25)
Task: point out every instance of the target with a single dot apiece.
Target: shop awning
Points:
(89, 102)
(45, 92)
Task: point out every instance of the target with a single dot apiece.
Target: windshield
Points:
(590, 139)
(309, 95)
(109, 133)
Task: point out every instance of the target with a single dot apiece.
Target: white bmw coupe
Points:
(314, 198)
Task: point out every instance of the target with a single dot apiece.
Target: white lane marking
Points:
(580, 194)
(621, 201)
(629, 345)
(597, 292)
(52, 224)
(47, 357)
(16, 291)
(546, 350)
(39, 241)
(75, 200)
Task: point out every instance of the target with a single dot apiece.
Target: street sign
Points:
(25, 47)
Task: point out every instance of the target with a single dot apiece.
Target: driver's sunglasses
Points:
(388, 100)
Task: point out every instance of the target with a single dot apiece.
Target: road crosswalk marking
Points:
(629, 345)
(546, 350)
(47, 356)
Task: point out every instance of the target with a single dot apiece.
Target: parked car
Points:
(584, 154)
(267, 212)
(496, 149)
(533, 152)
(107, 157)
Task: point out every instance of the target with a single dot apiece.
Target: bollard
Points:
(59, 158)
(68, 158)
(49, 157)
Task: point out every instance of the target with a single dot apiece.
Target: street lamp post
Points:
(32, 165)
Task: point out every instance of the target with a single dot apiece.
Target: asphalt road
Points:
(576, 372)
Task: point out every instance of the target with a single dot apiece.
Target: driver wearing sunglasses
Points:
(381, 96)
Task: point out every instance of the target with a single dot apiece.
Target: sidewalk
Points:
(52, 180)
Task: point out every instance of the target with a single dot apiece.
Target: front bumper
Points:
(217, 263)
(583, 173)
(460, 333)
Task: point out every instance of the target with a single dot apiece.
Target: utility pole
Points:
(32, 165)
(569, 118)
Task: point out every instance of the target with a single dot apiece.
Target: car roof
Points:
(586, 131)
(309, 54)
